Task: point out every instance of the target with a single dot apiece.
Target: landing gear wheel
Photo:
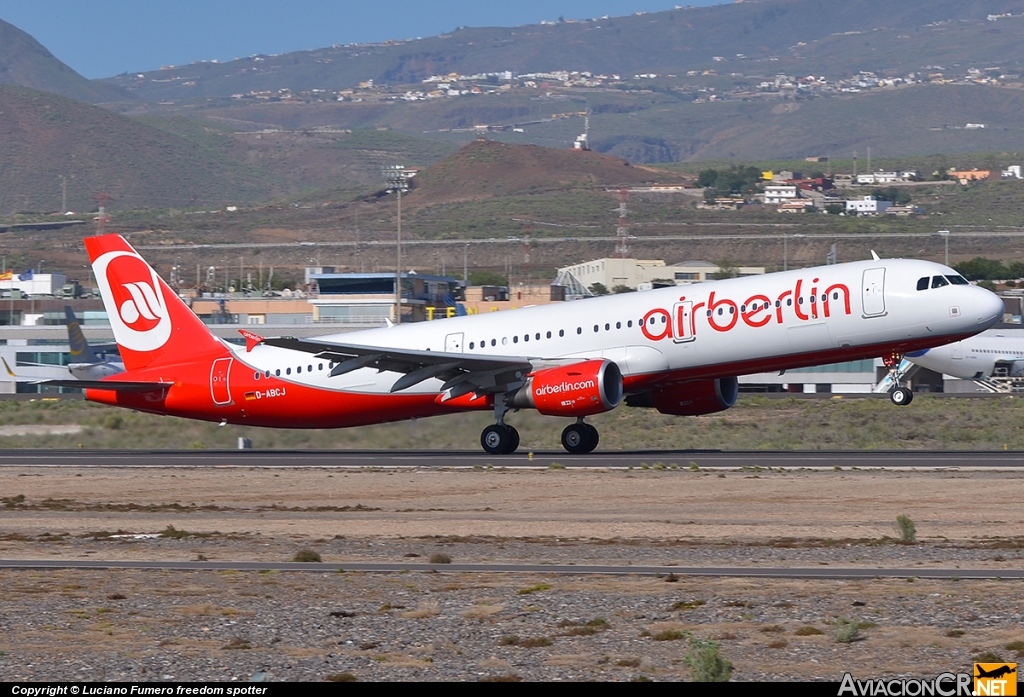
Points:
(496, 440)
(514, 439)
(579, 439)
(901, 396)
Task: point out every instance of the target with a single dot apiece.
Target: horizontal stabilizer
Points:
(115, 385)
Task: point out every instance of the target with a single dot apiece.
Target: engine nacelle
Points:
(690, 398)
(580, 389)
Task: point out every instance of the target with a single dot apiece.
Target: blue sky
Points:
(101, 38)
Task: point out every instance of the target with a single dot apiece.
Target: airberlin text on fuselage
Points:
(723, 314)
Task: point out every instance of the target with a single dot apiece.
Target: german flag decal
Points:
(249, 396)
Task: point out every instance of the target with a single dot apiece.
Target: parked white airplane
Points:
(677, 350)
(988, 354)
(89, 361)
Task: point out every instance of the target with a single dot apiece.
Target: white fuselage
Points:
(978, 357)
(713, 329)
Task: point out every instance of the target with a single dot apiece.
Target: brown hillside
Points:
(26, 62)
(486, 168)
(44, 137)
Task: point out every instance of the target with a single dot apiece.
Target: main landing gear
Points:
(580, 438)
(500, 438)
(898, 395)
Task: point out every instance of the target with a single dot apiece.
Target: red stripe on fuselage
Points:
(284, 404)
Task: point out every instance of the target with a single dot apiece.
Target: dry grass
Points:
(481, 612)
(423, 611)
(755, 422)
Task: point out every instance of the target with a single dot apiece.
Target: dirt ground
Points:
(205, 625)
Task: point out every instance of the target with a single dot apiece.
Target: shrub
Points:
(906, 529)
(668, 635)
(808, 631)
(440, 558)
(845, 630)
(170, 532)
(306, 555)
(706, 662)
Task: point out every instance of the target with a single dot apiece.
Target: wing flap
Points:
(461, 373)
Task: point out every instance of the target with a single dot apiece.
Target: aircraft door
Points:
(682, 322)
(219, 387)
(873, 292)
(453, 343)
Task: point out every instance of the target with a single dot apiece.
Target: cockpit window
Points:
(958, 280)
(922, 283)
(939, 281)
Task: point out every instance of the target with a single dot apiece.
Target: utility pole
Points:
(63, 194)
(396, 180)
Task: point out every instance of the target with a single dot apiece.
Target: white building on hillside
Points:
(631, 273)
(778, 193)
(868, 205)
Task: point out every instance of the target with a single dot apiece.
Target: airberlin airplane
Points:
(677, 350)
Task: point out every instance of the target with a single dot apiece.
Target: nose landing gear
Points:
(898, 395)
(580, 438)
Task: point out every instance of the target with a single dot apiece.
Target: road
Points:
(570, 569)
(705, 459)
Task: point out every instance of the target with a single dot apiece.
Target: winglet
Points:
(389, 322)
(8, 368)
(251, 340)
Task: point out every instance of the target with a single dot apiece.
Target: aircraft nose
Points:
(988, 307)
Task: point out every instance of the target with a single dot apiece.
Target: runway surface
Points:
(542, 459)
(730, 571)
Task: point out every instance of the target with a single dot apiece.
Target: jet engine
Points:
(690, 398)
(580, 389)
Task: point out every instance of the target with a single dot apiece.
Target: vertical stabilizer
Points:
(81, 351)
(151, 324)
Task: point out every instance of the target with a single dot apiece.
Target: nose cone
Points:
(988, 307)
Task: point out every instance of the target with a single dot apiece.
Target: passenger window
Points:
(320, 366)
(277, 372)
(618, 325)
(596, 328)
(922, 283)
(607, 327)
(309, 369)
(629, 323)
(526, 337)
(579, 330)
(288, 371)
(561, 332)
(504, 341)
(299, 369)
(537, 337)
(939, 281)
(515, 340)
(267, 374)
(789, 302)
(549, 335)
(494, 342)
(470, 345)
(778, 303)
(256, 376)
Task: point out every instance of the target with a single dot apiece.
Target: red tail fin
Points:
(151, 324)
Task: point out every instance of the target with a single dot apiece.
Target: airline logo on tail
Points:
(139, 319)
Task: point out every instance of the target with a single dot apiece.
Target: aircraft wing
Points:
(462, 374)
